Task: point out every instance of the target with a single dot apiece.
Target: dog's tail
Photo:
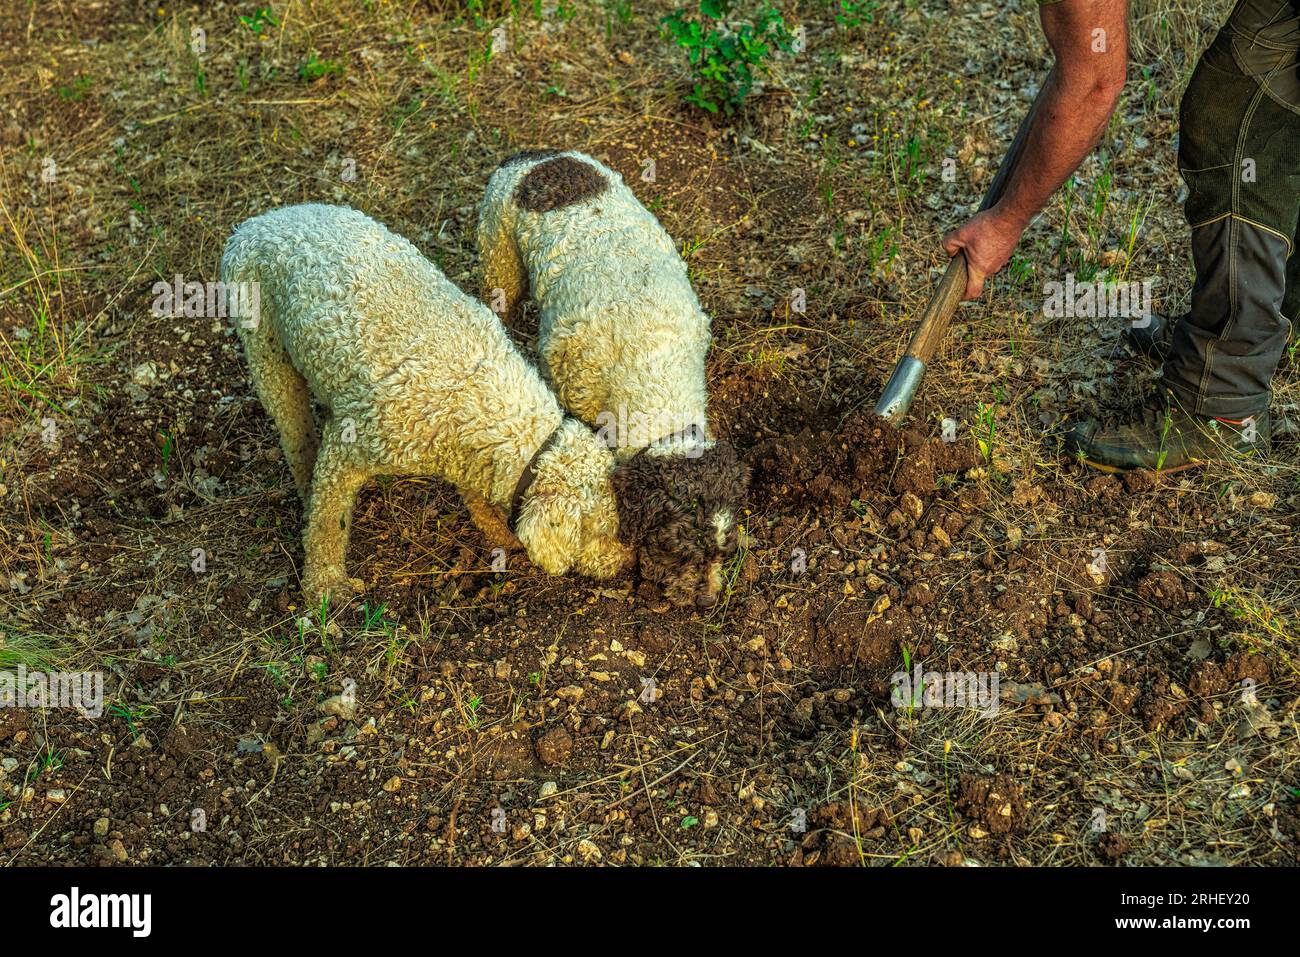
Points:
(241, 282)
(278, 383)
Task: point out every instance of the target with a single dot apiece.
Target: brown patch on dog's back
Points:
(527, 156)
(558, 183)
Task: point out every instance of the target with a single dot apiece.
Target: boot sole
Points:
(1115, 470)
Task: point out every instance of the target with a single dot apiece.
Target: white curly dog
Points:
(623, 340)
(417, 379)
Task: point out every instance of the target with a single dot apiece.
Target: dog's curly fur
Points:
(622, 338)
(417, 379)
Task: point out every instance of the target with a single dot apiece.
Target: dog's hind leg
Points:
(287, 400)
(504, 279)
(336, 480)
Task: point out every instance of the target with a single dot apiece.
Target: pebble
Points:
(912, 505)
(1263, 499)
(145, 374)
(341, 706)
(1005, 642)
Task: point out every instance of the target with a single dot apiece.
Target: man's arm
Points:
(1080, 93)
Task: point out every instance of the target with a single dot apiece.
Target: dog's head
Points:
(568, 519)
(681, 512)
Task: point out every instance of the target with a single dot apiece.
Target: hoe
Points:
(906, 379)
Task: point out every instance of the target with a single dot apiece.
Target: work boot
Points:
(1151, 341)
(1158, 434)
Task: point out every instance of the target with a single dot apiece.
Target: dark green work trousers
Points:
(1239, 153)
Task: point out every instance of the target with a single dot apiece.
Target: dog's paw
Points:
(337, 587)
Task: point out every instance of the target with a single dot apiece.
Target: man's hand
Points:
(988, 241)
(1090, 41)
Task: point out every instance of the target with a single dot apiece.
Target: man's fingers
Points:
(974, 283)
(974, 277)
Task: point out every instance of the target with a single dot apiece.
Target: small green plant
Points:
(769, 360)
(167, 447)
(50, 761)
(323, 620)
(731, 573)
(1134, 228)
(726, 50)
(986, 425)
(77, 89)
(853, 13)
(260, 20)
(129, 715)
(1021, 270)
(315, 68)
(947, 793)
(472, 704)
(373, 620)
(882, 250)
(1166, 424)
(617, 9)
(915, 698)
(1063, 253)
(1149, 86)
(1262, 626)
